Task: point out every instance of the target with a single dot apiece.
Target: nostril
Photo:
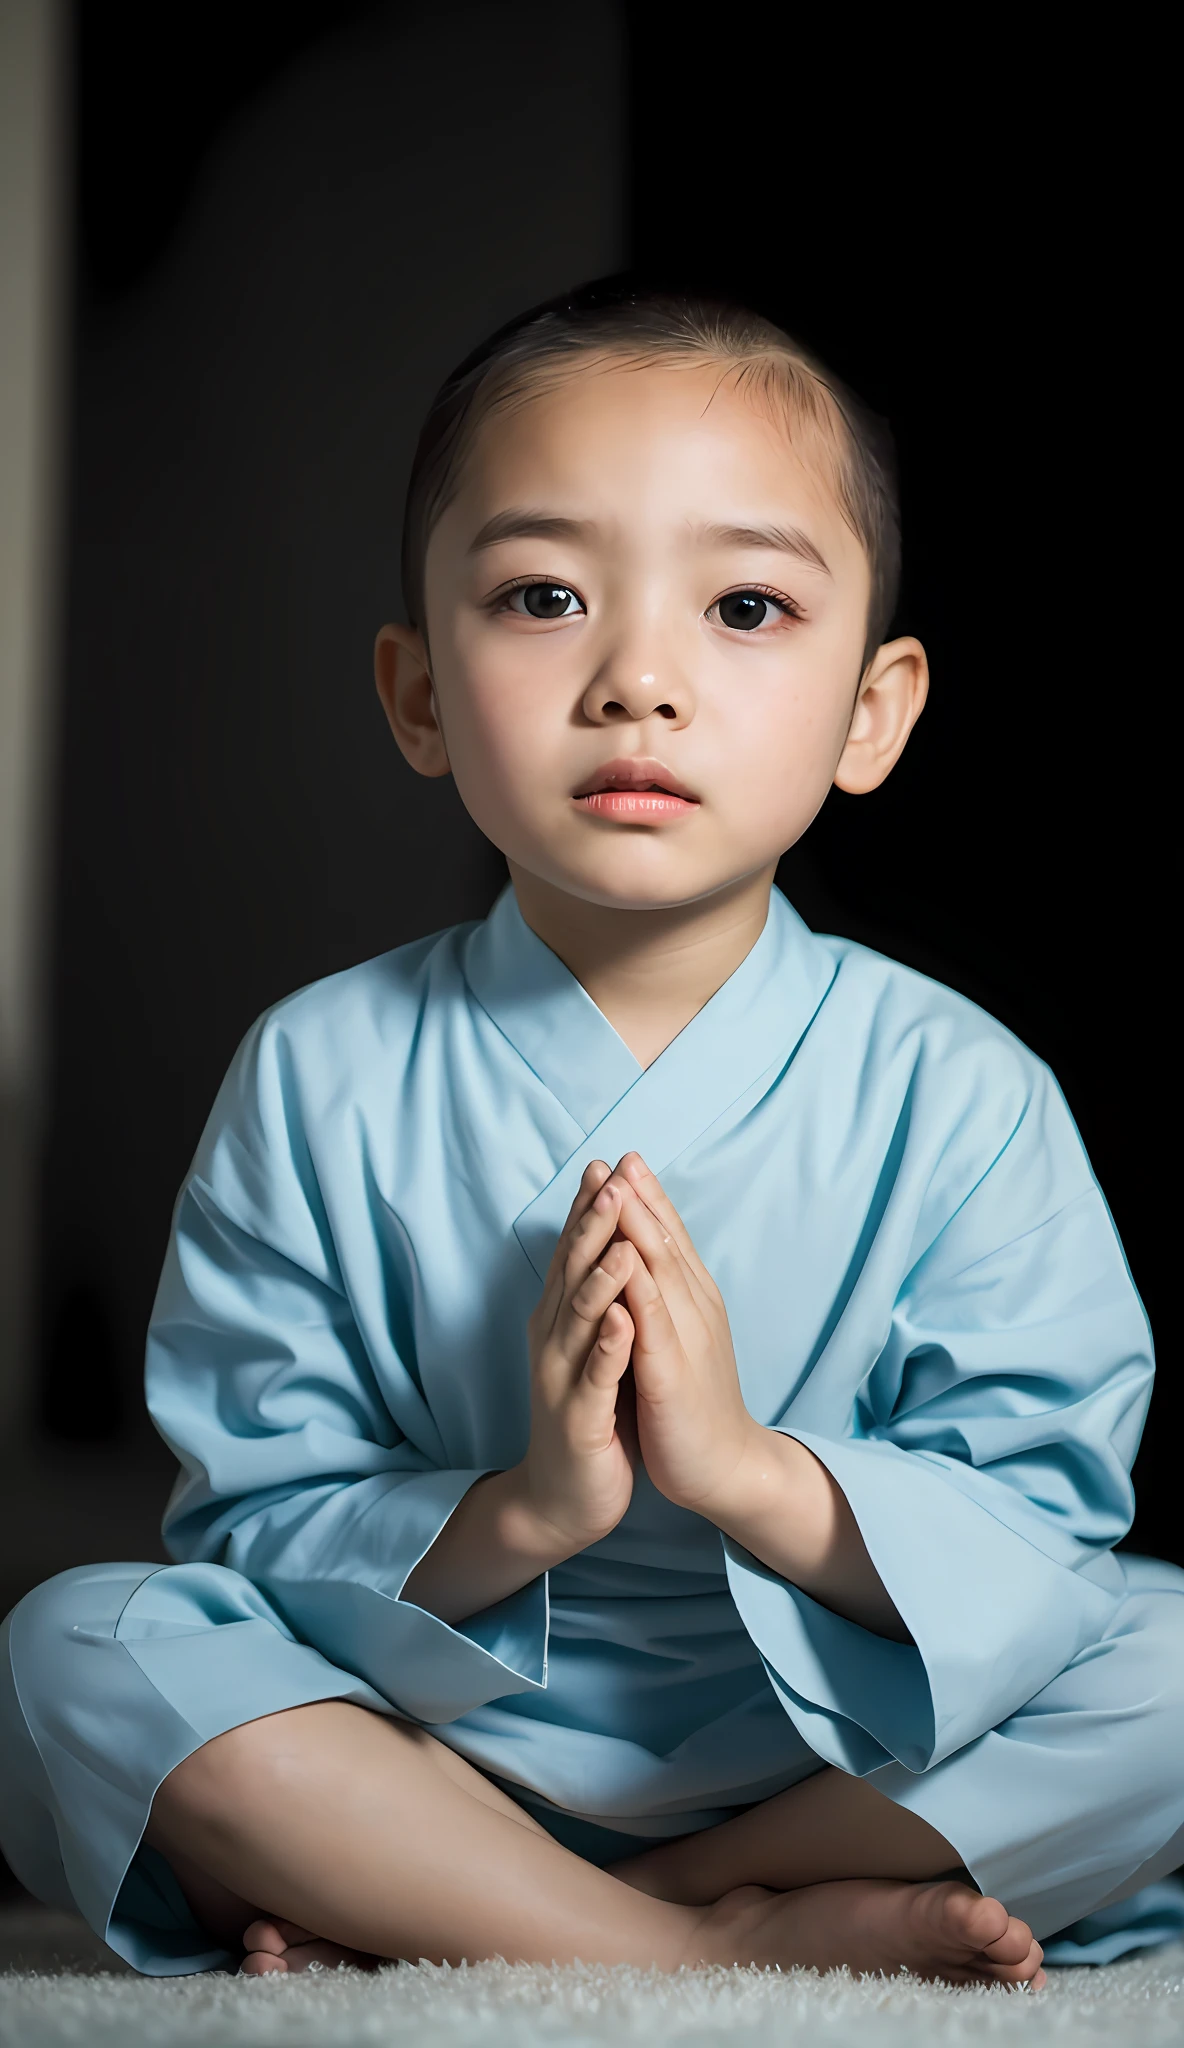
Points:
(667, 711)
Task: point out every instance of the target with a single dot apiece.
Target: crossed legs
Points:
(328, 1833)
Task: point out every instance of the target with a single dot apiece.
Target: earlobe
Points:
(403, 680)
(890, 701)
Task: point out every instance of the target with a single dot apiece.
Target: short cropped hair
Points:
(642, 324)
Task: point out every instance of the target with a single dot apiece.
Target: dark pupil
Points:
(743, 609)
(546, 600)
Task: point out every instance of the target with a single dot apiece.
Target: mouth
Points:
(644, 791)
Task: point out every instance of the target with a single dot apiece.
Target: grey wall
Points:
(31, 267)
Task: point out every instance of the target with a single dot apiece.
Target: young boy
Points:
(655, 1389)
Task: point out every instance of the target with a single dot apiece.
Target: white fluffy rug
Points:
(1137, 2004)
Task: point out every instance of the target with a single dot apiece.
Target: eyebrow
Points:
(787, 540)
(520, 523)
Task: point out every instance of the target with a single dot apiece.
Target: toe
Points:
(260, 1964)
(963, 1919)
(1025, 1971)
(1013, 1944)
(264, 1936)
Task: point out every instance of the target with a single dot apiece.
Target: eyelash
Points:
(499, 599)
(786, 605)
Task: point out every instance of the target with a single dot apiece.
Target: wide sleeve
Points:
(987, 1464)
(294, 1469)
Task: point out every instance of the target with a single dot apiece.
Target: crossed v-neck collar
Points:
(547, 1015)
(751, 1023)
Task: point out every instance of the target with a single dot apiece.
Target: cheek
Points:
(786, 718)
(495, 709)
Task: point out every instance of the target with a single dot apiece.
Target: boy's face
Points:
(640, 580)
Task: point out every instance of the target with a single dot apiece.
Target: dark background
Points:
(288, 227)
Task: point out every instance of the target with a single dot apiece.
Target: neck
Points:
(649, 971)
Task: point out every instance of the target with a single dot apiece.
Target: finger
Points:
(592, 1234)
(610, 1355)
(593, 1178)
(655, 1336)
(638, 1223)
(597, 1282)
(696, 1281)
(633, 1169)
(582, 1312)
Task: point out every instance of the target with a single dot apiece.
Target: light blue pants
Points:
(1071, 1812)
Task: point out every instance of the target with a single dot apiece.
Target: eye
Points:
(742, 611)
(544, 601)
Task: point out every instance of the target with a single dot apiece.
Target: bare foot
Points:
(281, 1945)
(942, 1930)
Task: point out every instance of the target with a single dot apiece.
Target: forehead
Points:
(662, 441)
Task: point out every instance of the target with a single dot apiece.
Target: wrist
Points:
(734, 1454)
(524, 1525)
(770, 1466)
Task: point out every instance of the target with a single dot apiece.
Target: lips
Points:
(644, 774)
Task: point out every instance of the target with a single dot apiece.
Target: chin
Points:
(623, 887)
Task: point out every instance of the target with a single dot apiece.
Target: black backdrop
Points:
(951, 227)
(965, 226)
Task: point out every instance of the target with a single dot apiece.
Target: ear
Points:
(890, 701)
(408, 697)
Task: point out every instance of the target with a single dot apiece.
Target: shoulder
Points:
(972, 1116)
(336, 1039)
(371, 1005)
(907, 1015)
(951, 1066)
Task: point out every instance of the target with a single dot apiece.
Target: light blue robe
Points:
(924, 1286)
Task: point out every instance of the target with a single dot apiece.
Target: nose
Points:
(624, 692)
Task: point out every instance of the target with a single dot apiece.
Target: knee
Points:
(86, 1600)
(1140, 1689)
(257, 1765)
(226, 1773)
(1159, 1741)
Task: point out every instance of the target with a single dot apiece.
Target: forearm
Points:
(783, 1505)
(491, 1546)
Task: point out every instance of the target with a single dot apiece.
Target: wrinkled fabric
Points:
(924, 1287)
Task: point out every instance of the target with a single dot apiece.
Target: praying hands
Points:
(626, 1288)
(701, 1446)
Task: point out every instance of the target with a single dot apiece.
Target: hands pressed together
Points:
(627, 1288)
(631, 1357)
